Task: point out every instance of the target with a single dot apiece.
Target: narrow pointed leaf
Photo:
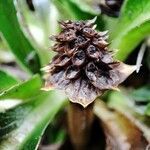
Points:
(25, 90)
(10, 28)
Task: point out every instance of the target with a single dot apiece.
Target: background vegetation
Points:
(31, 118)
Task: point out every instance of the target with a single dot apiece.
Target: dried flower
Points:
(84, 67)
(111, 7)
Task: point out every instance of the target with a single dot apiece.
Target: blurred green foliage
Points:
(9, 26)
(6, 81)
(26, 33)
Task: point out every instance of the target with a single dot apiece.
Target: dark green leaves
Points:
(142, 94)
(21, 127)
(133, 26)
(28, 121)
(20, 46)
(25, 90)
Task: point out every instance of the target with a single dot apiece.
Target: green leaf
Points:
(25, 90)
(147, 111)
(133, 26)
(69, 10)
(142, 94)
(24, 52)
(6, 81)
(87, 6)
(21, 127)
(125, 102)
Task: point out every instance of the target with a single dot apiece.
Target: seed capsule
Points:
(78, 58)
(59, 47)
(93, 52)
(100, 42)
(91, 71)
(66, 36)
(81, 41)
(79, 25)
(89, 32)
(61, 61)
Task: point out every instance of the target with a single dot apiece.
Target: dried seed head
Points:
(84, 67)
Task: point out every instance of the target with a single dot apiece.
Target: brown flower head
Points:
(83, 66)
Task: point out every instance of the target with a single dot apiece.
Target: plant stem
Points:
(80, 121)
